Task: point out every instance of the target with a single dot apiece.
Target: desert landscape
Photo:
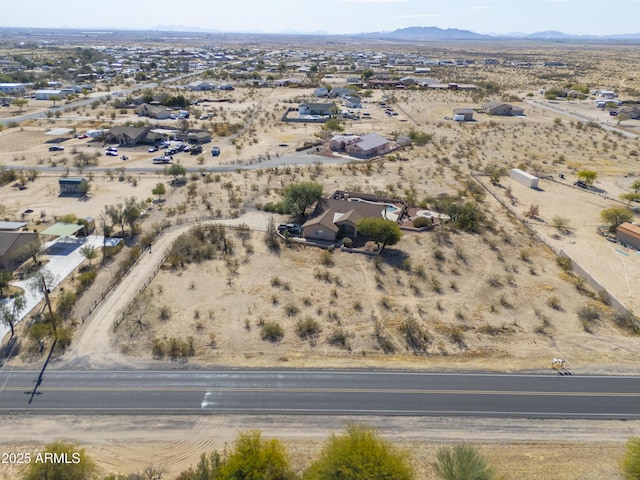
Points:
(496, 298)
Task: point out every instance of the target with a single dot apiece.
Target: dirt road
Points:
(93, 345)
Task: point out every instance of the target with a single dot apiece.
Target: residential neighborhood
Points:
(208, 236)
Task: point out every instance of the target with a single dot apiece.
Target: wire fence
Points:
(581, 272)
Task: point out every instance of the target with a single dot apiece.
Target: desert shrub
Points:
(383, 340)
(308, 327)
(39, 331)
(564, 262)
(158, 349)
(588, 316)
(82, 469)
(85, 280)
(554, 302)
(416, 337)
(164, 313)
(631, 460)
(64, 336)
(347, 243)
(462, 462)
(360, 454)
(326, 258)
(65, 303)
(421, 222)
(254, 458)
(604, 297)
(291, 310)
(338, 338)
(272, 331)
(178, 349)
(627, 321)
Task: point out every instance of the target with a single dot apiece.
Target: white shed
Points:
(524, 178)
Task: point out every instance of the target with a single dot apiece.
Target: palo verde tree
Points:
(89, 252)
(159, 190)
(631, 460)
(588, 176)
(299, 196)
(462, 462)
(73, 464)
(359, 454)
(616, 216)
(254, 458)
(9, 313)
(20, 103)
(177, 171)
(5, 278)
(386, 232)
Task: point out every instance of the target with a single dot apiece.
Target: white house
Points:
(47, 94)
(12, 88)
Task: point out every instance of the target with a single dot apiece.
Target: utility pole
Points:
(45, 289)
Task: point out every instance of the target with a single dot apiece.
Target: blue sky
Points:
(595, 17)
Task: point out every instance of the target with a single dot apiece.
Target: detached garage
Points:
(629, 234)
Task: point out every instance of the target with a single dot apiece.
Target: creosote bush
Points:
(272, 331)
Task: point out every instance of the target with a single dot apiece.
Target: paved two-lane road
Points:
(288, 392)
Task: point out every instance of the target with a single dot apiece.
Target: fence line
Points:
(581, 272)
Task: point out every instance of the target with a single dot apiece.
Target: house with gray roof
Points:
(131, 136)
(370, 145)
(324, 109)
(337, 216)
(496, 107)
(16, 247)
(153, 111)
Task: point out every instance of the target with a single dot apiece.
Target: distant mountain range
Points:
(435, 33)
(406, 34)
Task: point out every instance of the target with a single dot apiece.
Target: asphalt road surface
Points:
(287, 392)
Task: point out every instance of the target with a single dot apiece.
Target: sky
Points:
(583, 17)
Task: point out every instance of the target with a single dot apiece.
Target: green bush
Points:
(360, 454)
(253, 458)
(85, 280)
(422, 222)
(272, 331)
(39, 331)
(462, 462)
(308, 328)
(631, 460)
(78, 466)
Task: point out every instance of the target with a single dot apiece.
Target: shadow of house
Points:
(503, 109)
(131, 136)
(16, 247)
